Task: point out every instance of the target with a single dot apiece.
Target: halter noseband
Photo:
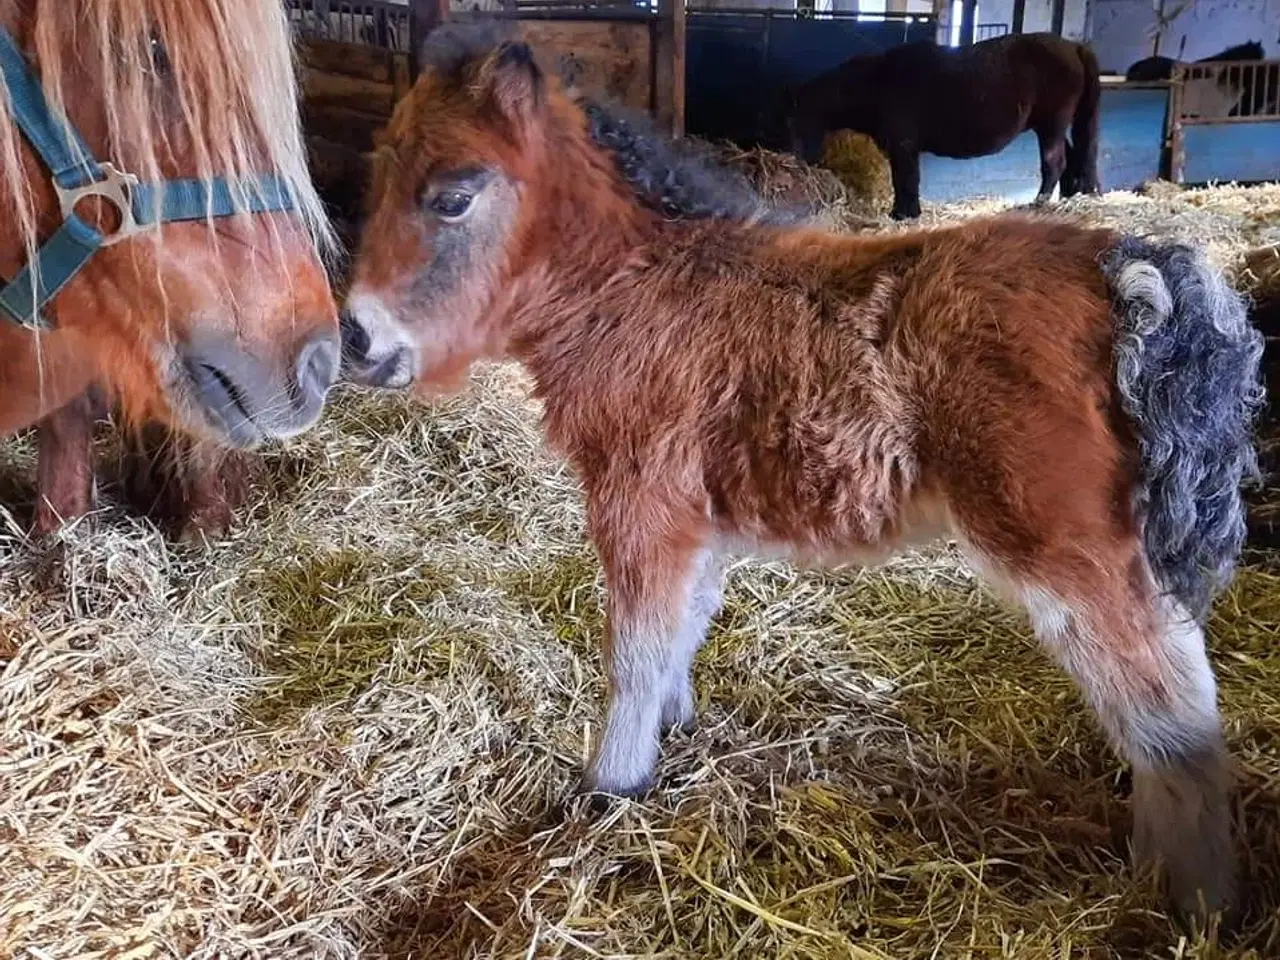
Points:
(77, 175)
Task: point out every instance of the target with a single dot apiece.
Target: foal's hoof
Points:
(1199, 878)
(679, 713)
(1200, 909)
(601, 799)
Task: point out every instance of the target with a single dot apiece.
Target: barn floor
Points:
(353, 729)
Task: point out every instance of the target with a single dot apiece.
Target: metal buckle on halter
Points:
(117, 188)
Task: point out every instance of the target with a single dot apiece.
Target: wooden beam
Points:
(668, 66)
(1019, 15)
(424, 16)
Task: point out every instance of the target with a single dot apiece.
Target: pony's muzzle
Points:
(374, 350)
(246, 401)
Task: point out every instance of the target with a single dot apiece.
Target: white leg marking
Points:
(678, 707)
(649, 685)
(1157, 699)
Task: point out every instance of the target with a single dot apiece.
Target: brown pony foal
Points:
(1073, 406)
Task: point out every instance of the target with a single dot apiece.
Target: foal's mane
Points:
(676, 178)
(225, 71)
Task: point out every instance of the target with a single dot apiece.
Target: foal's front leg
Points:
(658, 614)
(705, 601)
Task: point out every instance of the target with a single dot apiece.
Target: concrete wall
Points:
(1120, 31)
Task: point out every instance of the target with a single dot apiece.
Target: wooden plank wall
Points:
(349, 90)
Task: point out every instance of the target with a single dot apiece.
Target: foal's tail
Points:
(1187, 366)
(1081, 175)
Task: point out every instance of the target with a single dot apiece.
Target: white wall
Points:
(1037, 17)
(1120, 31)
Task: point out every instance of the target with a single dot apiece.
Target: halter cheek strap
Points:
(76, 175)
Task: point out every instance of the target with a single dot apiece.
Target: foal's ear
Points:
(512, 80)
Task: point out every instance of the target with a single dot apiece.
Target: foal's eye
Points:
(450, 204)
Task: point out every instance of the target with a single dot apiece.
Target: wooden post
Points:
(968, 14)
(424, 16)
(1177, 152)
(1019, 15)
(668, 73)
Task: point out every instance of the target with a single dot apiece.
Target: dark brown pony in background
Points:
(224, 331)
(1153, 69)
(955, 102)
(1073, 406)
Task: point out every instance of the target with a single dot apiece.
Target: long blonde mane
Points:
(233, 86)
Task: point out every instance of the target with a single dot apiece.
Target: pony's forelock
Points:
(233, 92)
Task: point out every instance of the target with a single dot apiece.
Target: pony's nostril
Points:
(317, 366)
(355, 339)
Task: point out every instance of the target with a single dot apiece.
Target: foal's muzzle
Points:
(389, 367)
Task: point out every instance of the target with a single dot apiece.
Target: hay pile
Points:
(353, 729)
(859, 164)
(787, 181)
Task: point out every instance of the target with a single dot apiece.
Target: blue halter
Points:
(77, 176)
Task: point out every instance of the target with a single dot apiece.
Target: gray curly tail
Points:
(1187, 366)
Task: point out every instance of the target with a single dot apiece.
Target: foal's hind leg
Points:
(1053, 160)
(1140, 662)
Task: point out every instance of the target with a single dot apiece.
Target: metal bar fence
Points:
(1228, 91)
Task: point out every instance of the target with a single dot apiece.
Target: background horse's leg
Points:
(1053, 159)
(188, 487)
(65, 487)
(904, 165)
(1081, 175)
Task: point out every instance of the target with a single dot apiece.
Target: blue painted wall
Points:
(1130, 143)
(1231, 151)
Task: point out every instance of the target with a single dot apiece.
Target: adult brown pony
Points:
(956, 102)
(218, 326)
(1071, 405)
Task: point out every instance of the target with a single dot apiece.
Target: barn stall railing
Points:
(374, 23)
(1225, 121)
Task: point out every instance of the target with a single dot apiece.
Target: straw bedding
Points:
(353, 728)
